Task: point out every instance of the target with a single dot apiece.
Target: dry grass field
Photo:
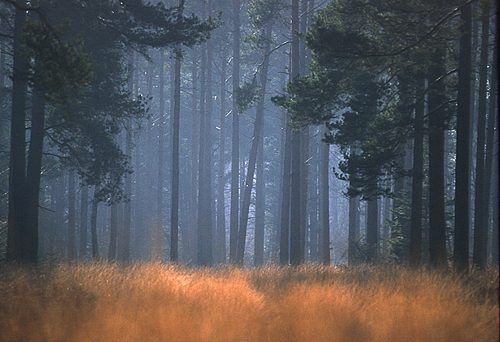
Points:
(155, 302)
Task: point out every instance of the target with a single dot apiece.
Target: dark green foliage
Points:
(247, 95)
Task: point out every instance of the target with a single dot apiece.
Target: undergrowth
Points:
(157, 302)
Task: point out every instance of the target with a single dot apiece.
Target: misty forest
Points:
(248, 170)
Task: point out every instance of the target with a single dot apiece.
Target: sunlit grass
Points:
(155, 302)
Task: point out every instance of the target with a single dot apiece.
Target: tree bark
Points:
(235, 138)
(324, 208)
(259, 123)
(462, 182)
(93, 226)
(71, 216)
(157, 243)
(84, 208)
(353, 232)
(221, 208)
(30, 236)
(260, 206)
(16, 221)
(295, 181)
(437, 127)
(479, 257)
(417, 179)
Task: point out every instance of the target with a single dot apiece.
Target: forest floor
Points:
(156, 302)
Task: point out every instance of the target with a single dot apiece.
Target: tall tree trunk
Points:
(260, 206)
(491, 163)
(462, 183)
(204, 167)
(353, 234)
(372, 229)
(30, 236)
(157, 243)
(113, 232)
(259, 123)
(235, 138)
(84, 209)
(437, 127)
(324, 208)
(174, 218)
(93, 226)
(71, 215)
(417, 179)
(16, 221)
(221, 209)
(193, 232)
(295, 181)
(479, 258)
(285, 199)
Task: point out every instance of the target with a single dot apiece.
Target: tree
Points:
(462, 183)
(235, 136)
(480, 227)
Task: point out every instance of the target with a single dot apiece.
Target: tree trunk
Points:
(260, 206)
(221, 209)
(437, 127)
(417, 179)
(157, 243)
(113, 232)
(462, 183)
(205, 154)
(295, 181)
(30, 236)
(324, 208)
(235, 138)
(491, 163)
(93, 226)
(353, 234)
(84, 208)
(259, 123)
(285, 199)
(16, 221)
(479, 257)
(372, 230)
(71, 216)
(174, 218)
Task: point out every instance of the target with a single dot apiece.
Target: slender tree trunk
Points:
(259, 123)
(113, 232)
(157, 243)
(437, 127)
(30, 236)
(417, 179)
(204, 257)
(221, 182)
(491, 162)
(285, 199)
(479, 258)
(372, 230)
(260, 205)
(353, 234)
(295, 181)
(462, 183)
(193, 239)
(93, 226)
(84, 208)
(17, 172)
(235, 138)
(71, 216)
(174, 218)
(324, 208)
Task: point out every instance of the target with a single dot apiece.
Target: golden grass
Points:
(155, 302)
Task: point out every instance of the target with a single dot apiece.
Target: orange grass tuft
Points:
(157, 302)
